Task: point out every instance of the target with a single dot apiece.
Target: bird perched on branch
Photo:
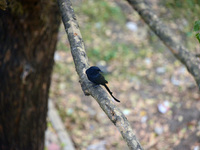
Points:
(95, 76)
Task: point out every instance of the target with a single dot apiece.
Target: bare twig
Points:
(164, 33)
(59, 127)
(81, 64)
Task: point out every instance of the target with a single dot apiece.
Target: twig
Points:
(166, 36)
(59, 127)
(81, 64)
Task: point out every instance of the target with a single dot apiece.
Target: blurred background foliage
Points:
(141, 72)
(184, 13)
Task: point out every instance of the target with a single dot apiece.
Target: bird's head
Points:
(93, 70)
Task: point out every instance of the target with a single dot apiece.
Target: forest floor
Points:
(158, 96)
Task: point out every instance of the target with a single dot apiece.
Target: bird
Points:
(95, 76)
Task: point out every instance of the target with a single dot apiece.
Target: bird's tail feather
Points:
(110, 92)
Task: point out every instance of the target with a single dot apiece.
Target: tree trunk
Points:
(28, 36)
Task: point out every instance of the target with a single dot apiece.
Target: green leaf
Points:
(198, 37)
(197, 25)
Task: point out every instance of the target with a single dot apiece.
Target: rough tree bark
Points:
(28, 36)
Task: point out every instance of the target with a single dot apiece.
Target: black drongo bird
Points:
(94, 75)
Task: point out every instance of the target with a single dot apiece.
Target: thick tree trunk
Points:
(28, 36)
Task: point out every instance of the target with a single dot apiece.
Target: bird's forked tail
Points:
(110, 93)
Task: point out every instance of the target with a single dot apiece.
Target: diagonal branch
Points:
(81, 64)
(165, 34)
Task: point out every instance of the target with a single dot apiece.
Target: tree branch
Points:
(166, 36)
(81, 64)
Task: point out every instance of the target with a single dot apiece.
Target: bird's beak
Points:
(101, 72)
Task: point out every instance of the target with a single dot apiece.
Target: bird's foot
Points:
(95, 86)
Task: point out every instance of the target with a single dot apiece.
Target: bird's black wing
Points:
(100, 79)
